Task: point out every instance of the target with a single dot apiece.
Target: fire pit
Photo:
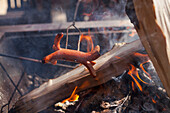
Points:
(123, 77)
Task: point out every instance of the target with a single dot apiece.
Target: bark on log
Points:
(151, 19)
(113, 63)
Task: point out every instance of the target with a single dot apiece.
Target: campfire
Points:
(93, 56)
(132, 91)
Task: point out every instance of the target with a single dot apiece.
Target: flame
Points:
(133, 86)
(137, 74)
(154, 101)
(141, 66)
(89, 41)
(131, 74)
(140, 54)
(117, 57)
(73, 97)
(158, 96)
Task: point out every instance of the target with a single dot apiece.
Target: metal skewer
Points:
(33, 60)
(73, 24)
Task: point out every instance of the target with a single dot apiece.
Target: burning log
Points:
(111, 64)
(151, 20)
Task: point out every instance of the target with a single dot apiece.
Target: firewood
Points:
(109, 65)
(151, 20)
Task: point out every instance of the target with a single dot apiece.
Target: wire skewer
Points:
(73, 24)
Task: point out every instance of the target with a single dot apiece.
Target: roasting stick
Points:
(33, 60)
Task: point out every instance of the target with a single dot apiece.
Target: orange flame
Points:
(158, 96)
(89, 41)
(141, 66)
(140, 55)
(73, 97)
(131, 74)
(133, 86)
(137, 74)
(117, 57)
(154, 101)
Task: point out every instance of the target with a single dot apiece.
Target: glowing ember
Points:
(73, 97)
(89, 41)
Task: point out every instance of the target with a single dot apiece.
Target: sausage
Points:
(72, 55)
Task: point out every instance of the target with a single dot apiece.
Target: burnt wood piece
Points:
(153, 17)
(109, 65)
(61, 26)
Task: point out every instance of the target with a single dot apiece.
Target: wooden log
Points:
(151, 19)
(61, 26)
(111, 64)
